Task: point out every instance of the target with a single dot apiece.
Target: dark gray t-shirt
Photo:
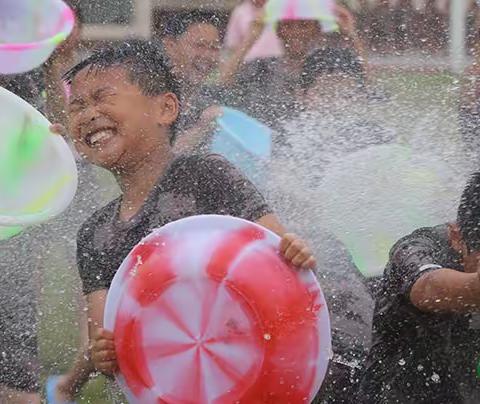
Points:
(419, 357)
(194, 185)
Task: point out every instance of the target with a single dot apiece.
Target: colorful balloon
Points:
(204, 310)
(320, 10)
(243, 141)
(38, 174)
(30, 30)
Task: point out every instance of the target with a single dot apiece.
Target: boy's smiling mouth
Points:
(99, 136)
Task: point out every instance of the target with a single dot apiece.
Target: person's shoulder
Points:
(433, 234)
(193, 162)
(433, 239)
(96, 219)
(196, 168)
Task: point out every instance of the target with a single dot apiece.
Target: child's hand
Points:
(104, 357)
(58, 129)
(297, 252)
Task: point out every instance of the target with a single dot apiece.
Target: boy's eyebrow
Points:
(103, 89)
(97, 92)
(75, 100)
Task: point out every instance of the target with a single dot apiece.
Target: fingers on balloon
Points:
(108, 368)
(105, 356)
(297, 252)
(304, 259)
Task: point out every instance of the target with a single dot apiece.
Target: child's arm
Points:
(72, 382)
(292, 247)
(230, 66)
(102, 346)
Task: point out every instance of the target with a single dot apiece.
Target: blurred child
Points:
(239, 27)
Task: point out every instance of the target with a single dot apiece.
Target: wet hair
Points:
(146, 62)
(331, 61)
(468, 215)
(181, 22)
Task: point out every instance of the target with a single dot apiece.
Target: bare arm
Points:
(272, 223)
(229, 67)
(95, 308)
(190, 139)
(446, 290)
(348, 29)
(292, 247)
(72, 382)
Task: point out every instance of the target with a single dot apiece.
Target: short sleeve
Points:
(90, 269)
(409, 260)
(222, 189)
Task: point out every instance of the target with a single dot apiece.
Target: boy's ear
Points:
(167, 109)
(456, 239)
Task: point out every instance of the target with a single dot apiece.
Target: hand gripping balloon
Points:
(29, 32)
(204, 310)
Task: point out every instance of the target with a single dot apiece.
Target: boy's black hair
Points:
(468, 215)
(330, 61)
(179, 23)
(146, 62)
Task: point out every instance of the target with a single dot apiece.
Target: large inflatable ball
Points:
(38, 174)
(30, 30)
(204, 310)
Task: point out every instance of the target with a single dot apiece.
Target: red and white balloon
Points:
(204, 310)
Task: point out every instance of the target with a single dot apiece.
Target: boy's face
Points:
(196, 53)
(112, 123)
(471, 260)
(298, 35)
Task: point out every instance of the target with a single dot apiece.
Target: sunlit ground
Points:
(428, 109)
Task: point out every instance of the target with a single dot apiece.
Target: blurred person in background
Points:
(192, 41)
(267, 44)
(336, 94)
(265, 88)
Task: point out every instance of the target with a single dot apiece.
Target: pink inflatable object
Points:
(30, 30)
(320, 10)
(204, 310)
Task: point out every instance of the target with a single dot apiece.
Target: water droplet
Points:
(401, 362)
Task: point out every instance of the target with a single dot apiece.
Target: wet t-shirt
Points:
(193, 185)
(419, 357)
